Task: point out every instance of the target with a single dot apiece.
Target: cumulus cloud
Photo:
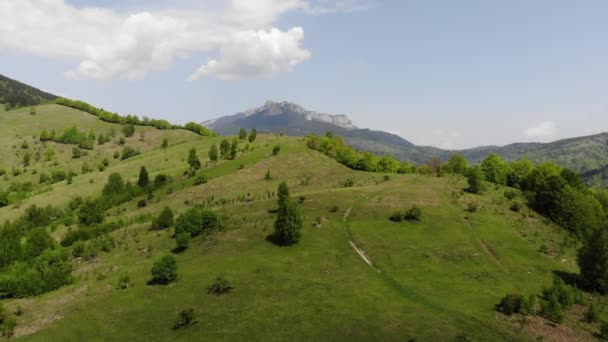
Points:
(257, 52)
(542, 132)
(106, 43)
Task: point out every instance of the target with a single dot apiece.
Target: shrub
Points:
(397, 216)
(552, 310)
(276, 150)
(78, 249)
(592, 315)
(164, 219)
(475, 179)
(510, 304)
(184, 319)
(604, 330)
(164, 270)
(220, 286)
(182, 241)
(200, 179)
(129, 152)
(472, 207)
(142, 203)
(516, 206)
(413, 214)
(124, 281)
(268, 176)
(348, 183)
(197, 221)
(510, 194)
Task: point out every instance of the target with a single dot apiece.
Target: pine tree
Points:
(224, 148)
(234, 148)
(289, 219)
(193, 160)
(253, 135)
(143, 179)
(242, 134)
(213, 153)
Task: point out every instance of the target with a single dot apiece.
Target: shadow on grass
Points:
(273, 239)
(161, 282)
(569, 278)
(179, 250)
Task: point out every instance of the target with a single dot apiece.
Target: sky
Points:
(451, 74)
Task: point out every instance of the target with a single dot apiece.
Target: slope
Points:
(16, 94)
(439, 278)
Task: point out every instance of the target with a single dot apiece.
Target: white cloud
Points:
(106, 44)
(257, 52)
(542, 132)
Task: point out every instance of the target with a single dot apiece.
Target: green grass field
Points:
(438, 279)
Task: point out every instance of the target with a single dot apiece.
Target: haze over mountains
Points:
(582, 154)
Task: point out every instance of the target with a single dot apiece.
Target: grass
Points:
(439, 279)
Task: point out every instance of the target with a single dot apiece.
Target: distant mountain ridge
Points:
(15, 94)
(582, 154)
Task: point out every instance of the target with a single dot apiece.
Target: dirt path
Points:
(357, 249)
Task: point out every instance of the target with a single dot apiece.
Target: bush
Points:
(184, 319)
(78, 249)
(516, 206)
(276, 150)
(397, 216)
(129, 152)
(510, 304)
(164, 219)
(164, 270)
(604, 330)
(197, 221)
(413, 214)
(510, 194)
(201, 179)
(220, 286)
(124, 281)
(592, 315)
(182, 241)
(552, 310)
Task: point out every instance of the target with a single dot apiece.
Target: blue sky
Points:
(452, 74)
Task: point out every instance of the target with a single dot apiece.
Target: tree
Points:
(165, 143)
(10, 245)
(114, 186)
(234, 148)
(224, 148)
(592, 259)
(193, 160)
(196, 221)
(388, 164)
(143, 179)
(213, 153)
(475, 179)
(164, 219)
(289, 219)
(457, 164)
(253, 135)
(495, 169)
(128, 130)
(242, 134)
(91, 213)
(164, 270)
(518, 171)
(38, 240)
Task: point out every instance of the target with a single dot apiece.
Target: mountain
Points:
(292, 119)
(15, 94)
(582, 154)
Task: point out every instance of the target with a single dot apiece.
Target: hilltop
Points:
(586, 154)
(438, 278)
(15, 94)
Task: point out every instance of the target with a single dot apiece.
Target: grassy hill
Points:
(15, 94)
(437, 279)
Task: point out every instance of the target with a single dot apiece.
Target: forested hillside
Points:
(14, 94)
